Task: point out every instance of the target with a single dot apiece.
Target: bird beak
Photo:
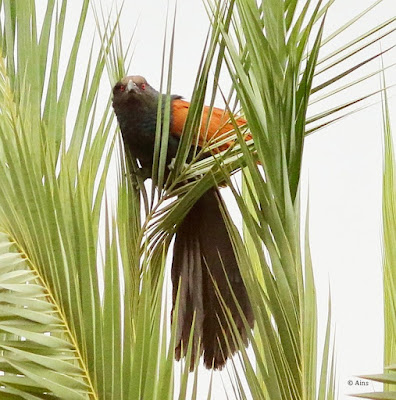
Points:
(131, 86)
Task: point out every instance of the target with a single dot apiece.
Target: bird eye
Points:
(122, 88)
(143, 86)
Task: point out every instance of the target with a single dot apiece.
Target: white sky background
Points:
(342, 164)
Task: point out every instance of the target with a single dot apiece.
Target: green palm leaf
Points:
(28, 312)
(388, 378)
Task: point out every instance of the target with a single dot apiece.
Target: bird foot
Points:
(144, 173)
(171, 165)
(139, 176)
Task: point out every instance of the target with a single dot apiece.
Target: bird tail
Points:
(204, 258)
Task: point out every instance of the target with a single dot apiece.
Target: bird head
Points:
(133, 89)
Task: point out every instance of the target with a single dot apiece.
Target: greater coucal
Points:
(203, 255)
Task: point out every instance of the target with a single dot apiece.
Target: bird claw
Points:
(171, 165)
(139, 176)
(144, 173)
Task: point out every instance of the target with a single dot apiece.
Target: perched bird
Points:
(203, 255)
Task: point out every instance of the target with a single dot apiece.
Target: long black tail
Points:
(203, 253)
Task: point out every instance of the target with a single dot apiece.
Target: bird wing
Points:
(215, 124)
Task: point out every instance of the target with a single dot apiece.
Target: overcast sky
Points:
(342, 163)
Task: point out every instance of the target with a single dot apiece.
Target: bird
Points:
(204, 263)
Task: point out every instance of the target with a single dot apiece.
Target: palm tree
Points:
(82, 274)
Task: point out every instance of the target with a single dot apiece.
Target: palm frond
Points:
(274, 90)
(331, 83)
(388, 378)
(79, 322)
(30, 357)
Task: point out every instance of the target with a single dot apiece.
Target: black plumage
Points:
(203, 255)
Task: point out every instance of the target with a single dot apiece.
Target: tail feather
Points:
(203, 259)
(187, 275)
